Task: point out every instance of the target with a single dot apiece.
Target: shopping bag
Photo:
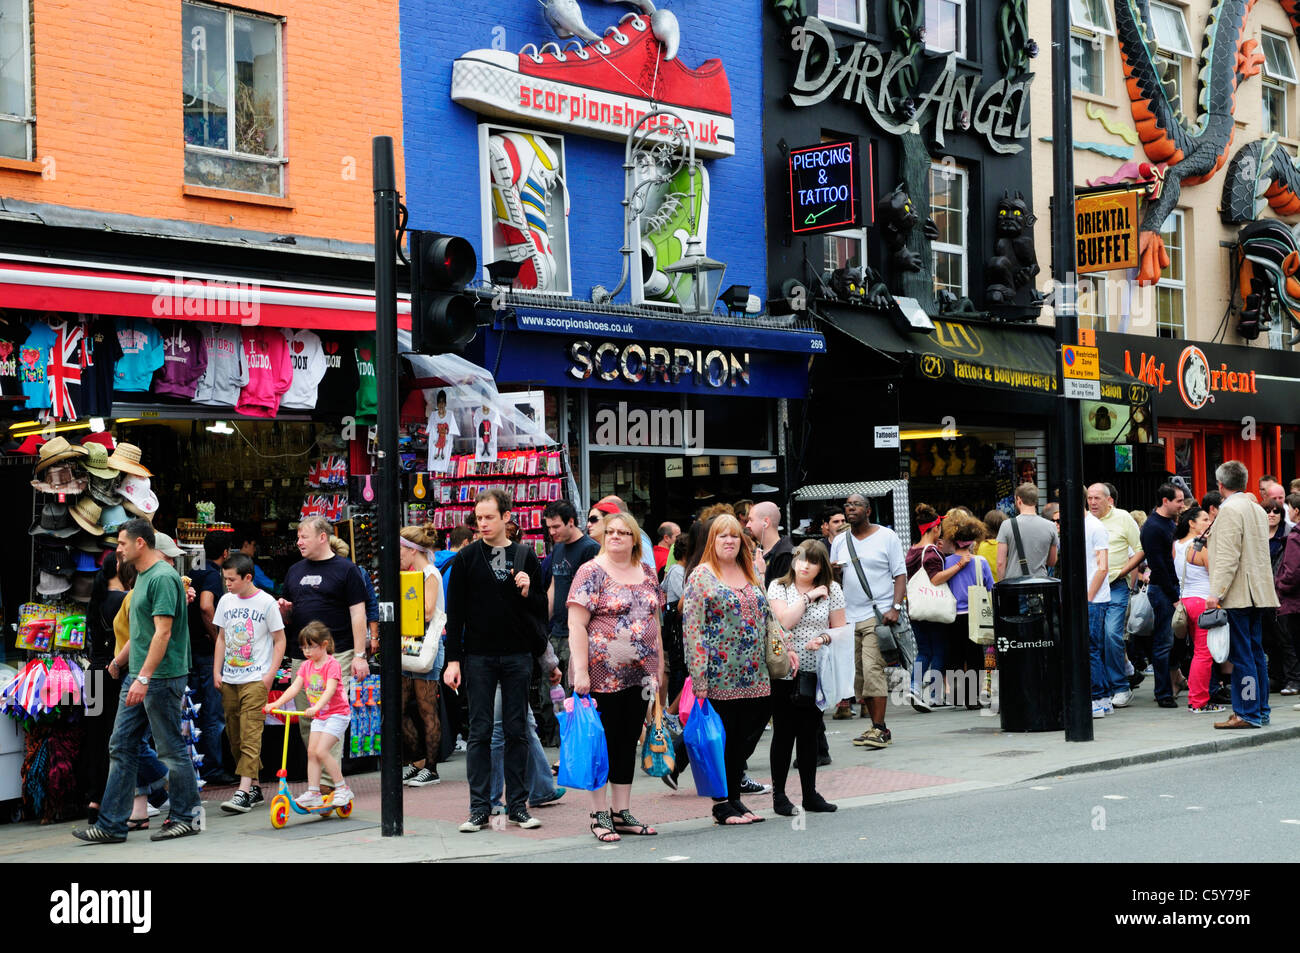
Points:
(1216, 640)
(584, 760)
(835, 667)
(657, 757)
(706, 742)
(686, 701)
(1141, 616)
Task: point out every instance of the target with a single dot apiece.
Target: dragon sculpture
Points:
(1195, 147)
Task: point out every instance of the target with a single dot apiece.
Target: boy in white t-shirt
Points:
(250, 645)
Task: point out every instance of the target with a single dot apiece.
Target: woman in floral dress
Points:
(616, 657)
(724, 624)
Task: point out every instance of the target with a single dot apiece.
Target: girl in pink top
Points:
(322, 679)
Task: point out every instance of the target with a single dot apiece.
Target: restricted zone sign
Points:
(1081, 372)
(1106, 231)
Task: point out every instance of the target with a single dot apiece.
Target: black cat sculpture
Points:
(897, 219)
(860, 286)
(1014, 263)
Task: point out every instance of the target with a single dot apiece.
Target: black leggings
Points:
(743, 719)
(622, 715)
(793, 725)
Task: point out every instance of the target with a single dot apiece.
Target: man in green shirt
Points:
(152, 694)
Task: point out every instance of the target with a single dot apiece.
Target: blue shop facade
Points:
(605, 161)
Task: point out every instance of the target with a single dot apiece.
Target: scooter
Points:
(283, 802)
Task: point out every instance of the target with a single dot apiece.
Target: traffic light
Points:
(442, 312)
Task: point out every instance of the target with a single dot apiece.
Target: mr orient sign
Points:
(864, 74)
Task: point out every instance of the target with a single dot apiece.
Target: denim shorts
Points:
(335, 725)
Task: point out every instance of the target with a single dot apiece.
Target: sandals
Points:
(138, 824)
(726, 815)
(625, 823)
(602, 825)
(746, 812)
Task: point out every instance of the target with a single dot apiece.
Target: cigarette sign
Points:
(1106, 231)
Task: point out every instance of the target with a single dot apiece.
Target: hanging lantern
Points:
(696, 279)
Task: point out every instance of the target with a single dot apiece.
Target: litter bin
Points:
(1027, 627)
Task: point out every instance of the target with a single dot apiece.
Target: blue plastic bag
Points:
(584, 759)
(706, 742)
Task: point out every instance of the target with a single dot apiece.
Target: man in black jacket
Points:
(496, 607)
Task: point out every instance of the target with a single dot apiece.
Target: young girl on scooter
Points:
(321, 677)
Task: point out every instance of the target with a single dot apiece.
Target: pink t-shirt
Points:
(314, 681)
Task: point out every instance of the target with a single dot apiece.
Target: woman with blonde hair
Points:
(725, 617)
(615, 656)
(421, 730)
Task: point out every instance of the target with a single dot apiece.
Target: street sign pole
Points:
(1069, 427)
(387, 493)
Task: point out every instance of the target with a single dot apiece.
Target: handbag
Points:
(1213, 618)
(897, 642)
(1178, 623)
(657, 758)
(928, 601)
(805, 689)
(775, 648)
(979, 619)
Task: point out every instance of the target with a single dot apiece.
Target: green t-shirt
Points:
(368, 386)
(158, 591)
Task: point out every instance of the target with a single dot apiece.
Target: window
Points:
(1090, 25)
(845, 248)
(526, 207)
(851, 13)
(1090, 305)
(16, 120)
(1174, 45)
(1277, 82)
(945, 26)
(948, 209)
(1171, 290)
(232, 100)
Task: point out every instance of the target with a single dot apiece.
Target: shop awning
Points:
(41, 284)
(1019, 358)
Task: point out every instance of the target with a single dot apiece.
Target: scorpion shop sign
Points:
(865, 74)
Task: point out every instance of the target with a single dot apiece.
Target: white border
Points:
(860, 25)
(27, 119)
(1176, 216)
(960, 48)
(936, 246)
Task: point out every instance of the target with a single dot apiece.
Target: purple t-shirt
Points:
(185, 358)
(964, 578)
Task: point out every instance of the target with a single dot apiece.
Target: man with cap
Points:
(151, 695)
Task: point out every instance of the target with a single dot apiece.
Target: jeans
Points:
(1096, 636)
(151, 774)
(484, 675)
(1249, 666)
(931, 654)
(1112, 644)
(1162, 636)
(540, 780)
(211, 721)
(161, 713)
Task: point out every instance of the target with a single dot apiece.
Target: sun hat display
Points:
(86, 513)
(53, 585)
(104, 439)
(86, 543)
(60, 479)
(96, 463)
(56, 450)
(82, 587)
(86, 563)
(105, 491)
(58, 559)
(54, 520)
(127, 458)
(112, 518)
(137, 497)
(167, 546)
(30, 445)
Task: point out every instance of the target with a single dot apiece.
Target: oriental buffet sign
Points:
(637, 364)
(865, 74)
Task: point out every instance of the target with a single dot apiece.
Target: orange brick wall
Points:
(107, 84)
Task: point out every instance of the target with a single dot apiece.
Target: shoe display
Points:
(525, 173)
(173, 828)
(422, 777)
(475, 822)
(523, 819)
(749, 786)
(680, 214)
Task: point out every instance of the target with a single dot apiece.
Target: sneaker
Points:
(1121, 699)
(309, 799)
(1265, 719)
(475, 822)
(173, 828)
(749, 786)
(1208, 708)
(1098, 708)
(462, 744)
(523, 819)
(1107, 706)
(422, 777)
(1148, 671)
(408, 772)
(525, 172)
(97, 835)
(255, 798)
(241, 802)
(678, 217)
(873, 738)
(551, 798)
(842, 712)
(1167, 703)
(1291, 690)
(919, 703)
(988, 713)
(343, 796)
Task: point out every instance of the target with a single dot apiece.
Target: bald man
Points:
(777, 550)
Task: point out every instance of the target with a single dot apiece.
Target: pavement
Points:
(948, 751)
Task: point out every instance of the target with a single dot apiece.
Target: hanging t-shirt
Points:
(102, 354)
(270, 372)
(247, 624)
(142, 354)
(367, 386)
(337, 394)
(442, 428)
(308, 359)
(12, 336)
(64, 369)
(227, 372)
(33, 363)
(184, 360)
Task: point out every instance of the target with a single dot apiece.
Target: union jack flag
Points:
(65, 368)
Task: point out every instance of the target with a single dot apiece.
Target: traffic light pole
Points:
(388, 492)
(1068, 459)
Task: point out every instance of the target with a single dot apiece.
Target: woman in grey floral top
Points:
(724, 624)
(807, 601)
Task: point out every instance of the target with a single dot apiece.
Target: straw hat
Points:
(96, 462)
(87, 512)
(127, 458)
(56, 450)
(60, 479)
